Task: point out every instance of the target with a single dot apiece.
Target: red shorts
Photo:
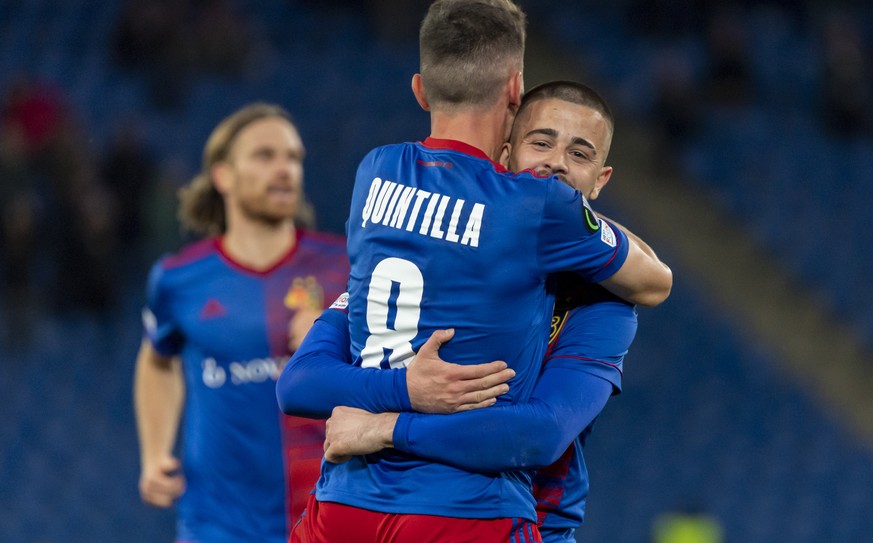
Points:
(329, 522)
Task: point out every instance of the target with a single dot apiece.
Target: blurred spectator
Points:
(848, 104)
(223, 38)
(128, 171)
(396, 21)
(729, 73)
(163, 233)
(174, 41)
(35, 109)
(154, 38)
(667, 18)
(84, 217)
(87, 277)
(19, 208)
(677, 106)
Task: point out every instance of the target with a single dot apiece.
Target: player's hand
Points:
(437, 386)
(162, 483)
(351, 431)
(299, 326)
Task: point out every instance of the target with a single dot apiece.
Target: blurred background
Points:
(743, 152)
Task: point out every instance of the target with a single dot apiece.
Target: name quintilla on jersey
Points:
(398, 206)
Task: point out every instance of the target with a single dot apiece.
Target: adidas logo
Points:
(212, 309)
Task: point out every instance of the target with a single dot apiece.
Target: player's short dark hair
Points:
(572, 92)
(468, 48)
(201, 206)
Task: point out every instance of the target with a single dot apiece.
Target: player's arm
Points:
(573, 238)
(320, 376)
(159, 391)
(571, 392)
(643, 277)
(528, 435)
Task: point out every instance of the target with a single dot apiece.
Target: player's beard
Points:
(259, 210)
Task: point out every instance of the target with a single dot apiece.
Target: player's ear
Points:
(419, 92)
(516, 90)
(505, 150)
(602, 180)
(220, 175)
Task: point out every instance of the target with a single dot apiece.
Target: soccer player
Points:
(439, 233)
(565, 129)
(222, 315)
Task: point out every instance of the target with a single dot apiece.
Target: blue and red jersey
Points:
(439, 235)
(591, 333)
(593, 329)
(229, 325)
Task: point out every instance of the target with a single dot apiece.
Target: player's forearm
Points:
(655, 280)
(641, 279)
(528, 435)
(159, 391)
(320, 376)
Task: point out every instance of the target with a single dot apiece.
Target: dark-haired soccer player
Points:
(222, 316)
(440, 233)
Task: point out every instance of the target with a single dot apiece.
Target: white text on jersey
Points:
(398, 206)
(251, 371)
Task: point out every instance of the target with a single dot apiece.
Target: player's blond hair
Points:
(201, 206)
(467, 50)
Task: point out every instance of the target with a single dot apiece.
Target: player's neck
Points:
(484, 130)
(258, 245)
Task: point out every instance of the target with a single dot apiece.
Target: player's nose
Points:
(556, 163)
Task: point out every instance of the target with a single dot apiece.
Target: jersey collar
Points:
(219, 246)
(461, 147)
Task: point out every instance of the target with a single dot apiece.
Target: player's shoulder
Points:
(190, 254)
(389, 150)
(327, 239)
(323, 242)
(172, 270)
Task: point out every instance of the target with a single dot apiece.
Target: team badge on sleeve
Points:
(592, 223)
(607, 234)
(342, 302)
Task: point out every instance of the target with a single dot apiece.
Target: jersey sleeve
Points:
(159, 323)
(509, 437)
(583, 370)
(572, 238)
(320, 375)
(595, 338)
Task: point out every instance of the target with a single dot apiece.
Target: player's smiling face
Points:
(554, 137)
(266, 166)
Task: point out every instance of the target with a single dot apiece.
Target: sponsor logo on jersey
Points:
(257, 370)
(305, 293)
(607, 234)
(435, 163)
(212, 309)
(427, 213)
(342, 302)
